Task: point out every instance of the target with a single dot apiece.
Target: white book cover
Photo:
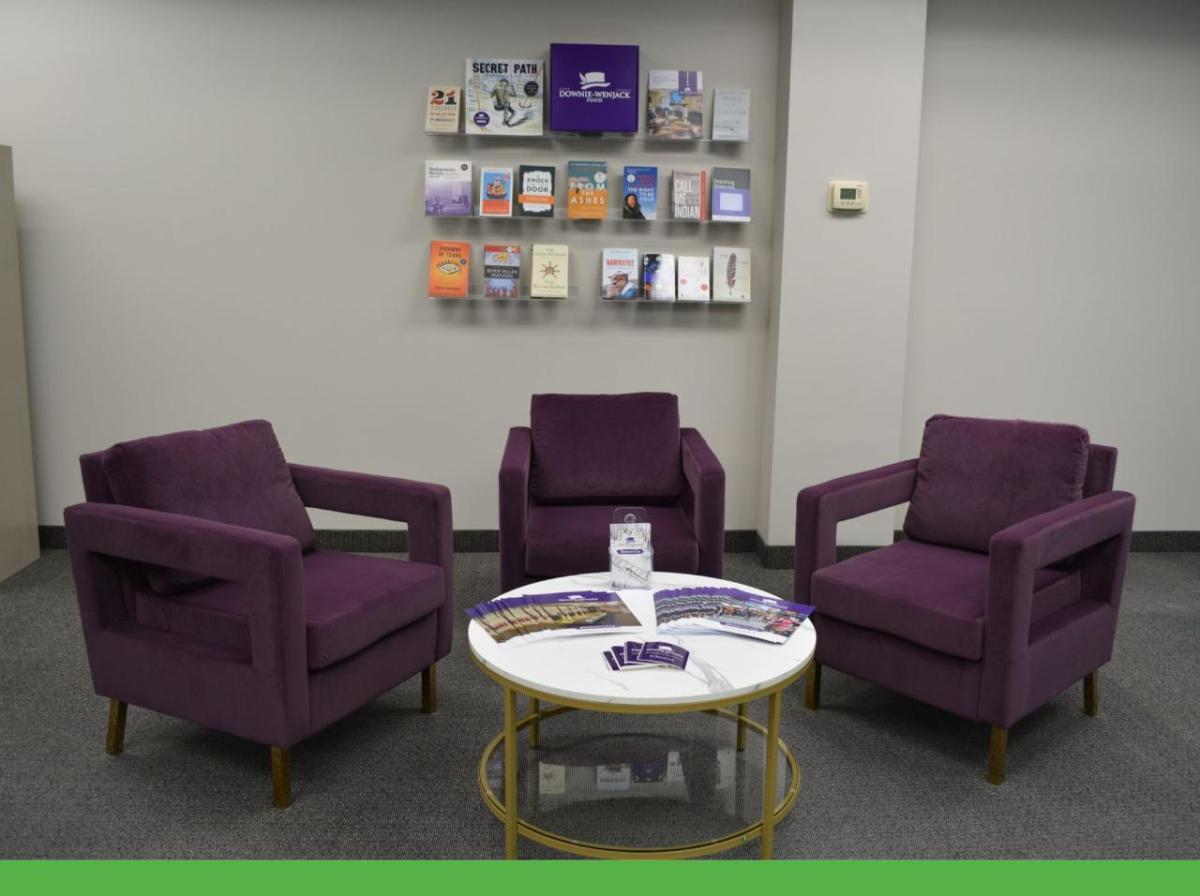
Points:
(619, 274)
(658, 276)
(503, 97)
(731, 114)
(693, 278)
(730, 274)
(496, 192)
(443, 105)
(548, 276)
(447, 187)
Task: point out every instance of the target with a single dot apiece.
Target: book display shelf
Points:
(592, 94)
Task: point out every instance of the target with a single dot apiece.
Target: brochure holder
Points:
(630, 554)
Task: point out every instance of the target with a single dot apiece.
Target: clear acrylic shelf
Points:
(551, 136)
(611, 218)
(476, 294)
(669, 303)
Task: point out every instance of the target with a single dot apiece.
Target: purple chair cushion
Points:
(232, 474)
(927, 594)
(350, 602)
(605, 449)
(565, 541)
(976, 477)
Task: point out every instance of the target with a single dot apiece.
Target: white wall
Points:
(221, 217)
(837, 368)
(1056, 272)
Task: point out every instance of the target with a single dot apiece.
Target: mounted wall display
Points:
(503, 97)
(594, 87)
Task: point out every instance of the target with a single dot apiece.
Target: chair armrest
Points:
(425, 506)
(514, 505)
(819, 508)
(1017, 552)
(706, 478)
(269, 564)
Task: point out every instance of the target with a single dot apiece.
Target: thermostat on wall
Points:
(848, 195)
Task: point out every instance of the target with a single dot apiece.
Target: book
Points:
(731, 114)
(619, 274)
(495, 192)
(730, 194)
(449, 265)
(692, 278)
(447, 187)
(730, 274)
(639, 193)
(501, 271)
(689, 195)
(658, 276)
(549, 273)
(675, 105)
(587, 189)
(535, 191)
(442, 105)
(503, 97)
(594, 88)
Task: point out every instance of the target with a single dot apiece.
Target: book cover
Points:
(449, 264)
(730, 194)
(442, 109)
(549, 275)
(587, 189)
(692, 278)
(495, 192)
(658, 276)
(675, 105)
(639, 193)
(501, 271)
(503, 97)
(535, 191)
(730, 274)
(593, 87)
(619, 274)
(447, 187)
(731, 114)
(689, 195)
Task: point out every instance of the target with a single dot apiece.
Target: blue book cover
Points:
(639, 193)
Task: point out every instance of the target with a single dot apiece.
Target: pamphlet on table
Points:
(534, 616)
(728, 610)
(645, 655)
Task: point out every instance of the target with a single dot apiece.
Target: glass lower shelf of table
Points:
(601, 784)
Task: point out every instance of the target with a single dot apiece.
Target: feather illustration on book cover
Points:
(731, 274)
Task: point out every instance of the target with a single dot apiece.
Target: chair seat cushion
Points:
(976, 477)
(928, 594)
(232, 474)
(565, 541)
(350, 602)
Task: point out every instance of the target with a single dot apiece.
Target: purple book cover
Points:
(594, 87)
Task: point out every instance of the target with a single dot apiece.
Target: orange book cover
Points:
(587, 189)
(449, 263)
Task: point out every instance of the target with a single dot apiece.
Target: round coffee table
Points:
(568, 672)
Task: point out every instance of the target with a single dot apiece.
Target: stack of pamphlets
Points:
(645, 655)
(728, 610)
(534, 616)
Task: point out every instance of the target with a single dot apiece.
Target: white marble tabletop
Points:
(572, 667)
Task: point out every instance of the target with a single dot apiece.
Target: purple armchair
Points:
(203, 596)
(1005, 591)
(585, 455)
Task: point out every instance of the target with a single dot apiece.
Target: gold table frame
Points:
(516, 827)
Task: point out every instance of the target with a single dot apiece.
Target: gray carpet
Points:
(883, 776)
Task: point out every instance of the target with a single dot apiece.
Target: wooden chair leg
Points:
(1091, 692)
(116, 727)
(429, 689)
(997, 754)
(281, 776)
(812, 686)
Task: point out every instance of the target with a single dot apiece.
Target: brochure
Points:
(728, 610)
(534, 616)
(645, 655)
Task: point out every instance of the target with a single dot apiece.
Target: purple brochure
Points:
(611, 661)
(633, 652)
(618, 653)
(665, 654)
